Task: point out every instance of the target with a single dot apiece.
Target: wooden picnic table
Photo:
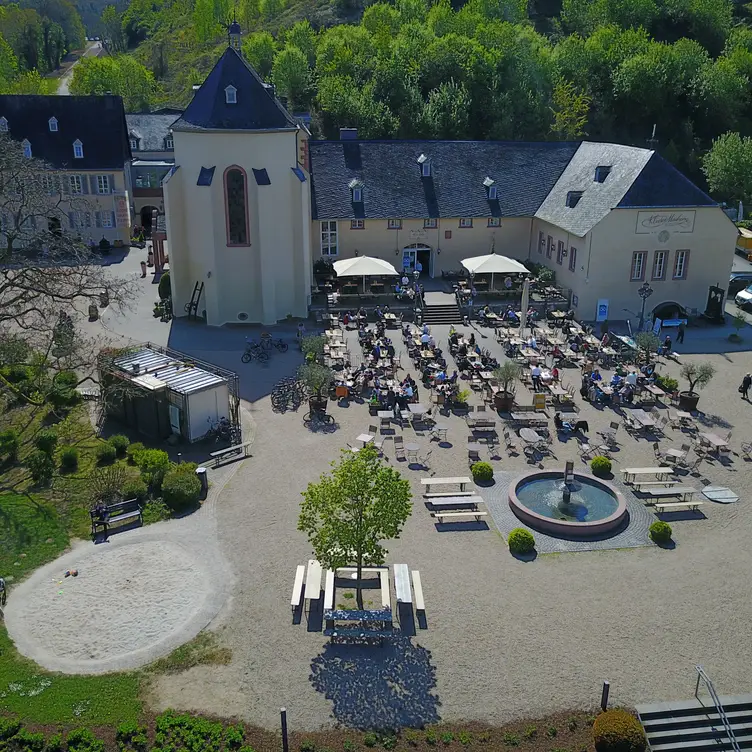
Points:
(630, 473)
(486, 375)
(402, 583)
(333, 333)
(313, 580)
(529, 417)
(417, 409)
(656, 391)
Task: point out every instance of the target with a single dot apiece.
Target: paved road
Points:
(63, 88)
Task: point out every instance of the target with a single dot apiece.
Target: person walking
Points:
(745, 385)
(680, 333)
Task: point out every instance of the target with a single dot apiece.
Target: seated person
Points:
(555, 373)
(615, 380)
(596, 375)
(472, 339)
(425, 338)
(532, 343)
(631, 379)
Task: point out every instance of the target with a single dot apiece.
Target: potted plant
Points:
(459, 400)
(318, 378)
(698, 375)
(506, 374)
(739, 323)
(647, 344)
(312, 348)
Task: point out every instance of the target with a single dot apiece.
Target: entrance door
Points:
(409, 257)
(418, 253)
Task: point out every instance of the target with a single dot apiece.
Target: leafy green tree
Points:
(139, 20)
(270, 9)
(351, 510)
(113, 29)
(120, 75)
(22, 28)
(447, 110)
(8, 66)
(728, 168)
(571, 109)
(259, 49)
(303, 36)
(63, 13)
(204, 22)
(292, 76)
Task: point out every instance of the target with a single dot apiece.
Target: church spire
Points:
(233, 35)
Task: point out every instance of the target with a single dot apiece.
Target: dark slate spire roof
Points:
(256, 109)
(393, 187)
(97, 121)
(661, 184)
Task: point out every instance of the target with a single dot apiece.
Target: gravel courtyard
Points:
(505, 638)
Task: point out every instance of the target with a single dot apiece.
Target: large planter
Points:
(688, 401)
(503, 401)
(317, 404)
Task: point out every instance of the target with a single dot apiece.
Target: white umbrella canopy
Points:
(364, 266)
(492, 263)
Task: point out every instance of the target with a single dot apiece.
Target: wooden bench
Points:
(458, 502)
(220, 454)
(329, 590)
(638, 484)
(297, 588)
(685, 491)
(402, 583)
(441, 516)
(313, 581)
(114, 513)
(385, 597)
(635, 471)
(673, 506)
(448, 494)
(418, 589)
(428, 482)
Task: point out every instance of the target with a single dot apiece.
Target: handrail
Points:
(719, 708)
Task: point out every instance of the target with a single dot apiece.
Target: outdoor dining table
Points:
(642, 418)
(366, 438)
(417, 409)
(412, 452)
(715, 441)
(530, 436)
(486, 375)
(656, 391)
(333, 333)
(529, 417)
(683, 417)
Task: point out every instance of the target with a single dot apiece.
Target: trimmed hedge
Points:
(181, 488)
(69, 458)
(153, 464)
(600, 465)
(521, 541)
(106, 453)
(120, 443)
(660, 532)
(482, 471)
(41, 466)
(618, 731)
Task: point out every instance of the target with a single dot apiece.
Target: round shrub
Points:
(120, 443)
(600, 465)
(46, 441)
(69, 458)
(163, 288)
(482, 471)
(181, 488)
(106, 453)
(9, 444)
(134, 488)
(155, 511)
(660, 532)
(521, 541)
(618, 731)
(153, 463)
(133, 451)
(41, 467)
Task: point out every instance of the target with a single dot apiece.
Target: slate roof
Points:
(393, 187)
(661, 184)
(256, 109)
(97, 121)
(150, 129)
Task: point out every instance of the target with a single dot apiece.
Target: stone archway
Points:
(415, 252)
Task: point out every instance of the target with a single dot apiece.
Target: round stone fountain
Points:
(582, 506)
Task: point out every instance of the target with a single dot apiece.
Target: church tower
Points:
(237, 202)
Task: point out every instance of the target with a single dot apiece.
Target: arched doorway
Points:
(418, 253)
(669, 310)
(146, 213)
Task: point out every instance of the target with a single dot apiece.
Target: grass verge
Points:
(201, 650)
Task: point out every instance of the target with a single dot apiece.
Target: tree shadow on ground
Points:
(373, 687)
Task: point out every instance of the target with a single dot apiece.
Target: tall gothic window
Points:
(237, 216)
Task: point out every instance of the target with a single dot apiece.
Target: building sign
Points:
(602, 310)
(418, 234)
(657, 222)
(122, 215)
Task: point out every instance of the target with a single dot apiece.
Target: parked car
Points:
(738, 281)
(744, 298)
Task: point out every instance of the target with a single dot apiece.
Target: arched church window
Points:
(236, 206)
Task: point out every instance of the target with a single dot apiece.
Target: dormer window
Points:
(573, 198)
(169, 143)
(602, 172)
(491, 188)
(356, 189)
(26, 146)
(78, 149)
(53, 124)
(3, 125)
(134, 143)
(231, 95)
(425, 166)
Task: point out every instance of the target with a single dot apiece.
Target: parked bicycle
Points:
(316, 418)
(288, 394)
(253, 350)
(219, 430)
(267, 342)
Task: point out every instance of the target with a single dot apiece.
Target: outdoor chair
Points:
(438, 434)
(746, 450)
(692, 466)
(509, 443)
(586, 451)
(424, 461)
(399, 448)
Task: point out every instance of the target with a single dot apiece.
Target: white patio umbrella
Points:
(524, 303)
(492, 264)
(364, 266)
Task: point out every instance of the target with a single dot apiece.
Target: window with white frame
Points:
(74, 181)
(493, 193)
(103, 183)
(659, 264)
(49, 184)
(430, 224)
(357, 195)
(394, 224)
(572, 259)
(494, 221)
(26, 146)
(231, 95)
(107, 219)
(78, 149)
(357, 224)
(134, 144)
(169, 143)
(681, 263)
(541, 241)
(466, 222)
(329, 237)
(3, 125)
(81, 219)
(638, 265)
(53, 124)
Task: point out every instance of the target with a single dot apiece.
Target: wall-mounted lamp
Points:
(438, 251)
(357, 252)
(396, 253)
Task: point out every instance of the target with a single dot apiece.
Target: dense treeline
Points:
(601, 69)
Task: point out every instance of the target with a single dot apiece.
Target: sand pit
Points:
(130, 603)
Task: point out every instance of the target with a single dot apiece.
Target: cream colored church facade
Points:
(253, 202)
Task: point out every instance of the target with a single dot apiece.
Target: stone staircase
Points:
(696, 726)
(441, 308)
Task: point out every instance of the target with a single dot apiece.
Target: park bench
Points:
(442, 516)
(638, 484)
(457, 502)
(221, 454)
(631, 473)
(674, 506)
(418, 589)
(114, 513)
(461, 481)
(384, 582)
(683, 491)
(313, 581)
(402, 583)
(297, 588)
(329, 590)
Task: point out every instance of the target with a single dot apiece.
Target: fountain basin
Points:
(593, 507)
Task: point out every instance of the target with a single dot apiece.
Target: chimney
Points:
(348, 134)
(270, 88)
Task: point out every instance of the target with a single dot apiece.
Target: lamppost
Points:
(644, 292)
